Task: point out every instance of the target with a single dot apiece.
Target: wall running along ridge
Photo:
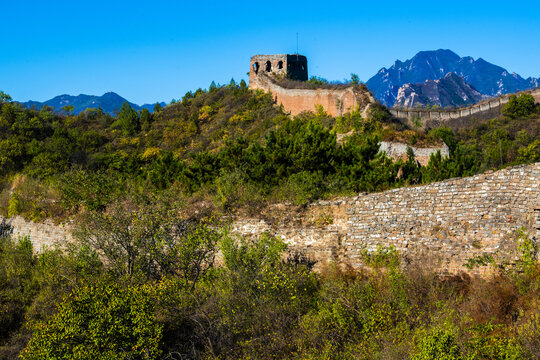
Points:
(335, 102)
(485, 109)
(438, 226)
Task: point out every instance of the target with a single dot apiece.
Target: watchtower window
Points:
(302, 66)
(256, 67)
(268, 66)
(280, 65)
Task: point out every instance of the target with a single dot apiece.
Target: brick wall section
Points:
(397, 150)
(440, 225)
(484, 110)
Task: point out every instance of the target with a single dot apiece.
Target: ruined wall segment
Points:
(398, 150)
(439, 226)
(44, 235)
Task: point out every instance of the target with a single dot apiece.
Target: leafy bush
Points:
(99, 322)
(522, 105)
(438, 344)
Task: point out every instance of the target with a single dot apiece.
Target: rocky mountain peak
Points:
(486, 78)
(449, 91)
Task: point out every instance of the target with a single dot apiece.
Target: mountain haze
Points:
(109, 102)
(486, 78)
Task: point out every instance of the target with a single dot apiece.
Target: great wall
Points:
(486, 109)
(264, 69)
(441, 225)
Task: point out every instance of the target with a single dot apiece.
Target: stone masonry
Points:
(438, 226)
(288, 66)
(45, 235)
(398, 150)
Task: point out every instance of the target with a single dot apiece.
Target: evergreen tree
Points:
(128, 120)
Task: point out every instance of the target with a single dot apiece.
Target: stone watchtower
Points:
(288, 66)
(295, 98)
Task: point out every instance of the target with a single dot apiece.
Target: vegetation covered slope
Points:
(140, 281)
(234, 148)
(72, 305)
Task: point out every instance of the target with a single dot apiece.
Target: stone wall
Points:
(484, 110)
(397, 150)
(440, 225)
(42, 235)
(335, 102)
(284, 65)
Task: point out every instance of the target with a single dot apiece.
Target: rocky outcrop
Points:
(450, 91)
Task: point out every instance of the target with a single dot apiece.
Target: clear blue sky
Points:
(157, 50)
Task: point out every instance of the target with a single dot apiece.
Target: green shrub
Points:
(520, 106)
(437, 344)
(100, 322)
(14, 205)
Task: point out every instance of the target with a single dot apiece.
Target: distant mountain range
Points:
(452, 90)
(484, 77)
(109, 102)
(439, 77)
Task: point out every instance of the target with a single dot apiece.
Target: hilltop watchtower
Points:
(266, 71)
(288, 66)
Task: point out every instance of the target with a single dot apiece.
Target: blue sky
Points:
(155, 51)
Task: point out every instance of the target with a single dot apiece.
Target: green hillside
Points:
(234, 148)
(145, 190)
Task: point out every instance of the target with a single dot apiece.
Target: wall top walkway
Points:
(477, 109)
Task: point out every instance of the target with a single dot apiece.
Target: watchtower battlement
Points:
(288, 66)
(267, 71)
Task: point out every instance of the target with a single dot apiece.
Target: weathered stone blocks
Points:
(440, 225)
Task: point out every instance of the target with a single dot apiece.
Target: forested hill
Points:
(234, 146)
(145, 193)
